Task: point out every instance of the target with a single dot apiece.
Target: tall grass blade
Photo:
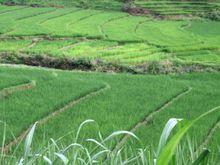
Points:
(54, 143)
(3, 140)
(63, 158)
(80, 127)
(166, 133)
(120, 133)
(72, 145)
(47, 160)
(169, 149)
(97, 143)
(28, 141)
(202, 157)
(100, 153)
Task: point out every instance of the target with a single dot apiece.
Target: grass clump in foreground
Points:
(168, 150)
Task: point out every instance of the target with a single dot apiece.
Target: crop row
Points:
(101, 24)
(178, 7)
(127, 53)
(56, 90)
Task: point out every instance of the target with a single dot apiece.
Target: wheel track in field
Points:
(5, 92)
(209, 136)
(149, 117)
(101, 27)
(19, 138)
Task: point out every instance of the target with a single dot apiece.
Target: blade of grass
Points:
(169, 149)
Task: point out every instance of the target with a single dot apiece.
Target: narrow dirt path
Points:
(8, 91)
(211, 132)
(65, 48)
(31, 45)
(149, 117)
(19, 138)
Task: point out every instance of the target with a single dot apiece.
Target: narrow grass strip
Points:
(108, 21)
(209, 136)
(8, 91)
(19, 138)
(168, 151)
(149, 117)
(12, 10)
(55, 17)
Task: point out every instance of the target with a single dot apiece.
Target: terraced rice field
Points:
(95, 33)
(169, 8)
(111, 36)
(53, 97)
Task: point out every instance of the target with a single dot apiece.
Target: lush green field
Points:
(171, 37)
(95, 4)
(188, 96)
(175, 8)
(107, 35)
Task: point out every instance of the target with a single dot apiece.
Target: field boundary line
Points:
(49, 19)
(140, 23)
(11, 10)
(101, 26)
(209, 136)
(31, 45)
(35, 15)
(55, 113)
(67, 47)
(27, 17)
(149, 117)
(9, 90)
(68, 25)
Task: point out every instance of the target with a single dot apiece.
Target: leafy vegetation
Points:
(95, 4)
(109, 36)
(147, 95)
(97, 34)
(175, 8)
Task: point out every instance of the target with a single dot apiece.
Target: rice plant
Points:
(168, 151)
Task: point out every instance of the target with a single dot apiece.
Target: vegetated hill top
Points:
(95, 4)
(157, 6)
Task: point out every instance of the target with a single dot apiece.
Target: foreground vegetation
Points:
(109, 36)
(72, 97)
(168, 151)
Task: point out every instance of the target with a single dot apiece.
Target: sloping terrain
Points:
(184, 96)
(107, 35)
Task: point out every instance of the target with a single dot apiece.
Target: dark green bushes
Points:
(154, 67)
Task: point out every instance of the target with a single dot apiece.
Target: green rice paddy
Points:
(171, 33)
(54, 89)
(111, 36)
